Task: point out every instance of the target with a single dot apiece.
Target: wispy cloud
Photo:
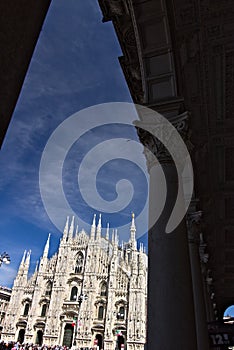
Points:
(67, 73)
(7, 275)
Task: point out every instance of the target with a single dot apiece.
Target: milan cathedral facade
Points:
(91, 293)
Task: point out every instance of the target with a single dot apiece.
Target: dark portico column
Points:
(171, 320)
(193, 220)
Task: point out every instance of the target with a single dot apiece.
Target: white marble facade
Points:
(91, 293)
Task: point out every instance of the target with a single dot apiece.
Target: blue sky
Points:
(74, 66)
(229, 311)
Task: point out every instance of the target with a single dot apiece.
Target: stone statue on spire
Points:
(132, 240)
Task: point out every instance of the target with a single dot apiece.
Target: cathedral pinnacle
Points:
(100, 220)
(27, 261)
(26, 265)
(76, 231)
(23, 259)
(107, 231)
(116, 242)
(122, 250)
(133, 227)
(141, 248)
(65, 231)
(99, 227)
(21, 267)
(71, 230)
(46, 249)
(116, 236)
(36, 268)
(133, 233)
(93, 228)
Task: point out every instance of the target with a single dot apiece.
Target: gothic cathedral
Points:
(90, 294)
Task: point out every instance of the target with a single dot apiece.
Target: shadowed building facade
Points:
(178, 59)
(90, 292)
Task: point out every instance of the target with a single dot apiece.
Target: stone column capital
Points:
(155, 150)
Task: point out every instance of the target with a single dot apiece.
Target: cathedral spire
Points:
(99, 227)
(141, 260)
(133, 233)
(113, 236)
(23, 260)
(107, 231)
(22, 275)
(71, 230)
(133, 226)
(76, 234)
(122, 249)
(21, 267)
(115, 242)
(65, 231)
(36, 268)
(93, 228)
(46, 249)
(126, 256)
(26, 265)
(116, 237)
(27, 262)
(134, 263)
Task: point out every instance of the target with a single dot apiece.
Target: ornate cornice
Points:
(112, 9)
(121, 13)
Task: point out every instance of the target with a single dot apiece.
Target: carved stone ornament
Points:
(129, 37)
(155, 150)
(209, 279)
(193, 223)
(204, 256)
(116, 7)
(133, 76)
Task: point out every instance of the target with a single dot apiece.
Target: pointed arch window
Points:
(103, 289)
(79, 263)
(74, 292)
(43, 310)
(48, 288)
(121, 313)
(26, 309)
(101, 312)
